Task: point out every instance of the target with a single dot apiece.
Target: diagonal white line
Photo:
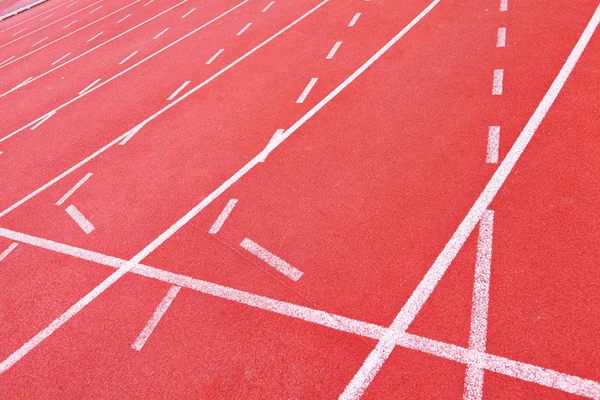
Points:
(156, 317)
(218, 224)
(73, 189)
(271, 259)
(80, 219)
(8, 250)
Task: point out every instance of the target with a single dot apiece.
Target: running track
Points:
(300, 199)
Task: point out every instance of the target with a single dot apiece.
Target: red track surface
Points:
(362, 196)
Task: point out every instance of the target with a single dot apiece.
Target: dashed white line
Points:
(156, 317)
(46, 17)
(493, 145)
(271, 259)
(36, 43)
(160, 34)
(501, 39)
(244, 29)
(7, 60)
(333, 50)
(216, 227)
(62, 58)
(188, 13)
(69, 24)
(503, 5)
(176, 92)
(271, 145)
(354, 19)
(268, 6)
(92, 38)
(95, 9)
(43, 119)
(25, 82)
(498, 82)
(7, 251)
(147, 3)
(215, 56)
(130, 133)
(90, 86)
(306, 90)
(79, 219)
(69, 5)
(16, 33)
(124, 18)
(128, 57)
(73, 189)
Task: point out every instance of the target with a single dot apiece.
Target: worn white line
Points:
(306, 90)
(156, 317)
(7, 60)
(498, 82)
(95, 9)
(60, 59)
(73, 189)
(16, 33)
(90, 86)
(7, 251)
(69, 24)
(216, 227)
(46, 17)
(268, 6)
(493, 145)
(70, 4)
(38, 42)
(479, 311)
(215, 56)
(80, 219)
(160, 34)
(94, 37)
(188, 13)
(128, 57)
(409, 311)
(271, 259)
(271, 145)
(124, 18)
(503, 5)
(354, 19)
(148, 3)
(43, 119)
(333, 50)
(244, 29)
(501, 39)
(176, 92)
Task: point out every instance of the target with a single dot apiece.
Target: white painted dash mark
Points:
(354, 19)
(306, 90)
(131, 133)
(70, 4)
(69, 24)
(43, 119)
(128, 57)
(25, 82)
(7, 60)
(498, 82)
(9, 250)
(216, 227)
(333, 50)
(160, 34)
(503, 5)
(493, 145)
(244, 29)
(175, 93)
(271, 259)
(268, 6)
(88, 87)
(79, 219)
(94, 37)
(46, 17)
(188, 13)
(271, 145)
(95, 9)
(16, 33)
(124, 18)
(36, 43)
(215, 56)
(155, 319)
(62, 58)
(73, 189)
(147, 3)
(501, 39)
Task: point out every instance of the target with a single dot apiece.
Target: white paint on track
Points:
(179, 89)
(307, 90)
(333, 50)
(70, 4)
(94, 37)
(128, 57)
(218, 224)
(268, 6)
(124, 18)
(188, 13)
(151, 1)
(96, 9)
(46, 17)
(73, 189)
(503, 5)
(43, 119)
(354, 19)
(493, 145)
(7, 60)
(62, 58)
(16, 33)
(271, 259)
(270, 146)
(498, 82)
(80, 219)
(29, 19)
(38, 42)
(8, 250)
(215, 56)
(501, 38)
(88, 87)
(160, 34)
(156, 317)
(244, 29)
(69, 24)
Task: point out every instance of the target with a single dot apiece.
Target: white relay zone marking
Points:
(216, 227)
(38, 42)
(503, 5)
(493, 145)
(156, 317)
(69, 24)
(215, 56)
(79, 219)
(62, 58)
(271, 259)
(498, 82)
(354, 19)
(271, 145)
(160, 34)
(268, 6)
(176, 92)
(9, 250)
(73, 189)
(94, 37)
(306, 90)
(43, 119)
(333, 50)
(244, 28)
(88, 87)
(124, 18)
(128, 57)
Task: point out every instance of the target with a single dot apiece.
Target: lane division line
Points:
(161, 309)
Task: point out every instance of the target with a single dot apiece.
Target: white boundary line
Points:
(8, 250)
(96, 9)
(188, 13)
(43, 119)
(379, 355)
(69, 24)
(16, 33)
(73, 189)
(33, 45)
(218, 224)
(7, 60)
(271, 259)
(94, 37)
(124, 18)
(62, 58)
(80, 219)
(161, 309)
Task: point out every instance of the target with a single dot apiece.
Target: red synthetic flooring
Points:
(114, 183)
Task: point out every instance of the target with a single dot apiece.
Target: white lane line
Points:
(7, 60)
(409, 311)
(90, 86)
(285, 268)
(79, 219)
(176, 92)
(7, 251)
(306, 90)
(43, 119)
(268, 6)
(73, 189)
(124, 18)
(354, 19)
(70, 4)
(16, 33)
(479, 311)
(244, 29)
(60, 59)
(527, 372)
(95, 9)
(216, 227)
(130, 133)
(69, 24)
(501, 39)
(128, 57)
(92, 38)
(503, 5)
(156, 317)
(493, 145)
(46, 17)
(147, 3)
(498, 82)
(36, 43)
(188, 13)
(215, 56)
(271, 145)
(160, 34)
(333, 50)
(25, 82)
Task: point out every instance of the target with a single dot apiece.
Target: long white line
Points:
(36, 43)
(124, 18)
(333, 50)
(479, 311)
(60, 59)
(94, 37)
(90, 86)
(498, 82)
(8, 250)
(160, 34)
(306, 90)
(271, 259)
(414, 304)
(80, 219)
(354, 19)
(69, 24)
(503, 5)
(215, 56)
(493, 145)
(128, 57)
(501, 38)
(218, 224)
(156, 317)
(73, 189)
(95, 9)
(268, 6)
(244, 29)
(176, 92)
(188, 13)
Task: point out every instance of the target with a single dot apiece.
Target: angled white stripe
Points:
(95, 9)
(215, 56)
(333, 50)
(147, 3)
(156, 317)
(90, 86)
(43, 119)
(188, 13)
(354, 19)
(16, 33)
(7, 251)
(176, 92)
(7, 60)
(268, 6)
(124, 18)
(73, 189)
(79, 218)
(36, 43)
(270, 146)
(216, 227)
(271, 259)
(62, 58)
(69, 24)
(94, 37)
(160, 34)
(306, 90)
(46, 17)
(244, 29)
(128, 57)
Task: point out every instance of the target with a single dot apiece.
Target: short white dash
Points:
(36, 43)
(128, 57)
(175, 93)
(503, 5)
(271, 259)
(215, 56)
(501, 40)
(333, 50)
(131, 133)
(7, 60)
(62, 58)
(43, 119)
(155, 319)
(95, 9)
(124, 18)
(69, 24)
(188, 13)
(306, 91)
(92, 38)
(69, 5)
(22, 30)
(244, 29)
(25, 82)
(46, 17)
(222, 217)
(160, 34)
(271, 145)
(73, 189)
(498, 81)
(147, 3)
(90, 86)
(9, 250)
(493, 144)
(268, 6)
(79, 219)
(354, 19)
